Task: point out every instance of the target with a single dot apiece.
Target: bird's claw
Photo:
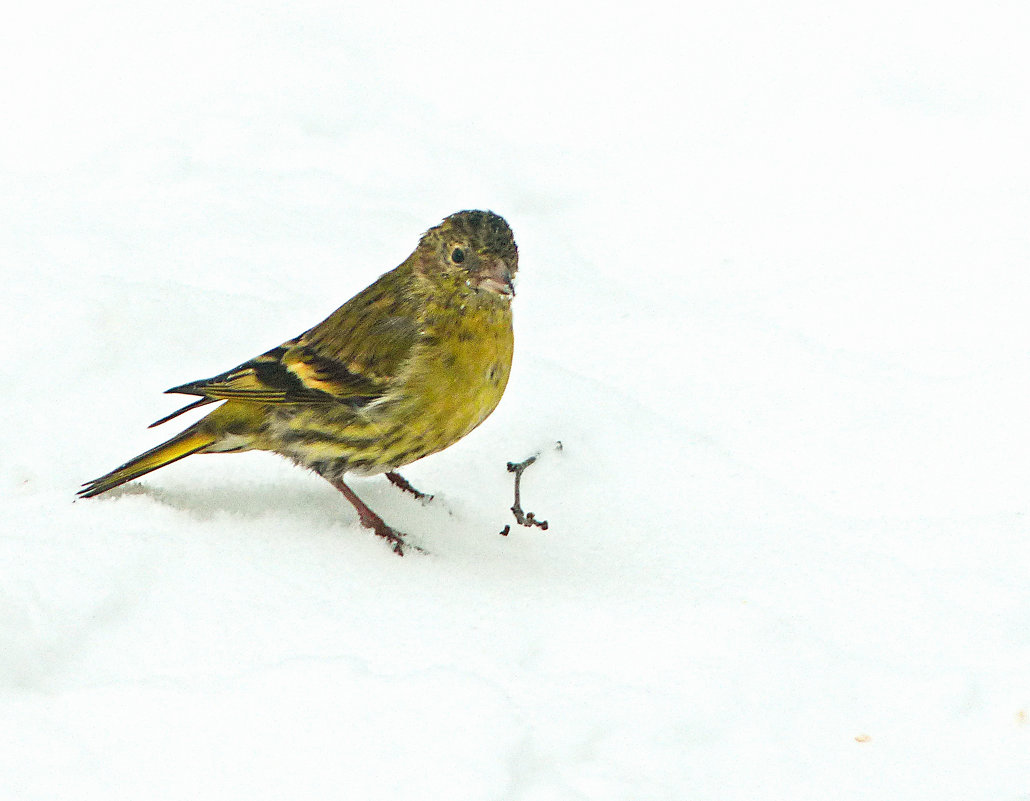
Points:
(398, 544)
(405, 486)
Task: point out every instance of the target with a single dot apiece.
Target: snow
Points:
(775, 273)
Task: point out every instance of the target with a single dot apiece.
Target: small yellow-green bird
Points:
(405, 368)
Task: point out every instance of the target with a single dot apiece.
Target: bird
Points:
(402, 370)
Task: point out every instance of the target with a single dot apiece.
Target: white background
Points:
(773, 301)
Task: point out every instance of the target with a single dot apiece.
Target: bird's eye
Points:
(458, 256)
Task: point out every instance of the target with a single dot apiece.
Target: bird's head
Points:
(470, 253)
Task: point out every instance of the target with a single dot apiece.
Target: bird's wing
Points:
(350, 357)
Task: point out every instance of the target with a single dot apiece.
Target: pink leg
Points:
(370, 519)
(400, 481)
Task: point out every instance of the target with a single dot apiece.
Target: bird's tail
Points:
(190, 441)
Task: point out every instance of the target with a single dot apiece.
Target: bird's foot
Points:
(400, 481)
(391, 535)
(388, 534)
(370, 519)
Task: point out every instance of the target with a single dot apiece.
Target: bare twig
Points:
(521, 517)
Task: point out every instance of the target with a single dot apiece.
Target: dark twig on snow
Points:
(521, 517)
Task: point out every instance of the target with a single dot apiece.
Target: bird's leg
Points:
(400, 481)
(370, 519)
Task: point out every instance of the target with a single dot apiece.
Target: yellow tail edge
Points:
(178, 447)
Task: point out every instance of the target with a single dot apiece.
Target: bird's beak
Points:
(496, 277)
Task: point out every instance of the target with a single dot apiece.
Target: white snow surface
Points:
(773, 301)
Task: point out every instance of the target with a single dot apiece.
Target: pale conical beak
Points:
(496, 277)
